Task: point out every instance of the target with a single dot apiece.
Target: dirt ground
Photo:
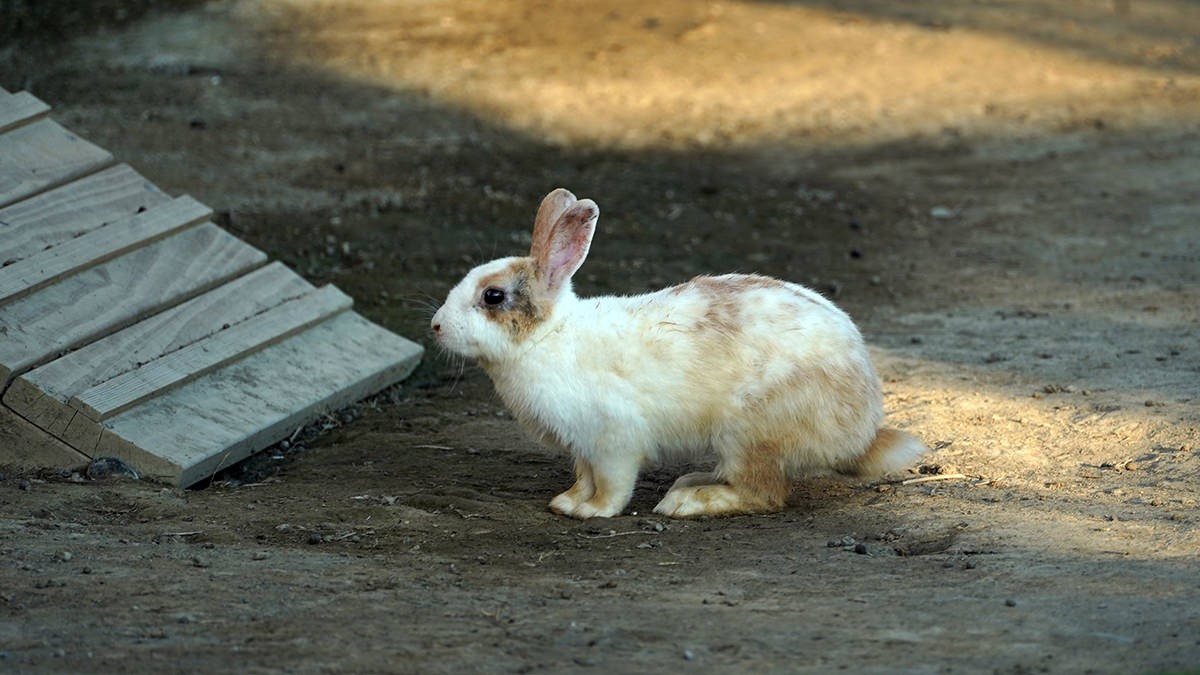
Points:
(1005, 195)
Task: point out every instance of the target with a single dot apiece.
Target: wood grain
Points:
(175, 328)
(20, 108)
(99, 245)
(217, 420)
(39, 327)
(24, 445)
(42, 394)
(65, 212)
(183, 365)
(42, 155)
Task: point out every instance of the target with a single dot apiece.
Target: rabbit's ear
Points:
(570, 238)
(553, 206)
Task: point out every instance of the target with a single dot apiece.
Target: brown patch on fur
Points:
(732, 285)
(760, 479)
(724, 315)
(866, 465)
(603, 492)
(725, 296)
(526, 306)
(584, 486)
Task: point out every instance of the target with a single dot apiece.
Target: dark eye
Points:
(493, 297)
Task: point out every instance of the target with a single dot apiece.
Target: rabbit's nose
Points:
(437, 327)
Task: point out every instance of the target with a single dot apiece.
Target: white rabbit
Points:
(768, 375)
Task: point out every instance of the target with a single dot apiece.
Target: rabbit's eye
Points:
(493, 297)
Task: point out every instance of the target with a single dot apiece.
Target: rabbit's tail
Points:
(891, 450)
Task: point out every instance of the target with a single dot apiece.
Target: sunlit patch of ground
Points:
(683, 74)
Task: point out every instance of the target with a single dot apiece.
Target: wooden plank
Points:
(54, 383)
(52, 217)
(43, 155)
(98, 246)
(20, 108)
(39, 327)
(41, 395)
(184, 365)
(25, 446)
(217, 420)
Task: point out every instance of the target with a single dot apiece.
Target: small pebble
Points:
(1010, 603)
(65, 556)
(108, 467)
(315, 538)
(689, 655)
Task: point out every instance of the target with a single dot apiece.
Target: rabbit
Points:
(769, 376)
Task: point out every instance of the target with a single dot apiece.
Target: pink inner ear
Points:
(551, 209)
(569, 242)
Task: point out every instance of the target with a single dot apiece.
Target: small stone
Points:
(64, 556)
(109, 467)
(942, 212)
(315, 538)
(1131, 465)
(1010, 603)
(860, 548)
(261, 555)
(200, 562)
(689, 655)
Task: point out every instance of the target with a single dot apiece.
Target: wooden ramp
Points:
(132, 327)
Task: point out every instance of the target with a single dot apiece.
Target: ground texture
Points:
(1005, 195)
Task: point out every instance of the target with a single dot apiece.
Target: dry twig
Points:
(929, 479)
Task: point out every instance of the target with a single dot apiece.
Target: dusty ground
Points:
(1005, 195)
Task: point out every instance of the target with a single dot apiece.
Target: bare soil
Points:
(1005, 195)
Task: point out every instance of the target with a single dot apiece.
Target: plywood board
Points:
(99, 245)
(81, 308)
(219, 419)
(183, 365)
(20, 108)
(65, 212)
(42, 155)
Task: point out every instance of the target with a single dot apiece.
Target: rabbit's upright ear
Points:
(568, 244)
(553, 206)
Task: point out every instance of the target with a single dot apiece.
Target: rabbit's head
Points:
(499, 304)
